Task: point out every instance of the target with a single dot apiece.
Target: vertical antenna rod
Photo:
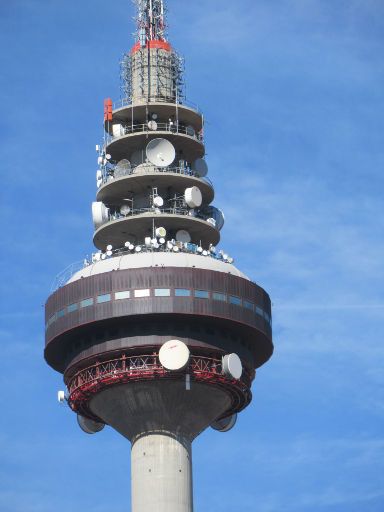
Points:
(150, 21)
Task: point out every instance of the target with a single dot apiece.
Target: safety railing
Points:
(172, 127)
(116, 171)
(126, 102)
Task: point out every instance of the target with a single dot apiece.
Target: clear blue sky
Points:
(292, 91)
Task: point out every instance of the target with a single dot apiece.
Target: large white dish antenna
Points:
(225, 424)
(161, 232)
(183, 236)
(160, 152)
(89, 426)
(200, 167)
(193, 197)
(100, 213)
(152, 125)
(174, 355)
(122, 168)
(158, 201)
(137, 157)
(125, 210)
(232, 366)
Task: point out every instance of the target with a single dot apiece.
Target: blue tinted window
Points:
(248, 304)
(86, 302)
(259, 311)
(219, 296)
(235, 300)
(182, 292)
(60, 313)
(106, 297)
(202, 294)
(162, 292)
(72, 307)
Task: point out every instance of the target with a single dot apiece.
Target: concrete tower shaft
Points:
(158, 336)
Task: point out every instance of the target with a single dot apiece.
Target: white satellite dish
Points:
(152, 125)
(160, 152)
(225, 424)
(183, 236)
(138, 248)
(109, 253)
(175, 248)
(89, 426)
(161, 241)
(232, 366)
(131, 247)
(108, 156)
(122, 168)
(100, 213)
(193, 197)
(158, 201)
(169, 245)
(174, 355)
(137, 158)
(125, 210)
(161, 232)
(154, 116)
(200, 167)
(109, 247)
(147, 241)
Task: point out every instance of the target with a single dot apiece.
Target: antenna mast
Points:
(150, 21)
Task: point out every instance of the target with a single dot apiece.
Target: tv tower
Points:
(159, 335)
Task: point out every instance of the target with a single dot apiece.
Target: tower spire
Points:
(151, 23)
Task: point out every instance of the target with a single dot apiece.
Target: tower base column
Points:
(161, 467)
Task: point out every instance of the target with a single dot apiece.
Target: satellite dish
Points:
(100, 160)
(169, 245)
(109, 247)
(100, 213)
(205, 253)
(122, 168)
(109, 253)
(154, 116)
(183, 236)
(137, 158)
(174, 355)
(193, 197)
(160, 152)
(147, 241)
(125, 210)
(190, 131)
(225, 424)
(89, 426)
(200, 167)
(97, 147)
(175, 248)
(161, 241)
(158, 201)
(138, 248)
(152, 125)
(161, 232)
(108, 156)
(232, 366)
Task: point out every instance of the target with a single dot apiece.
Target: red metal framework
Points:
(89, 381)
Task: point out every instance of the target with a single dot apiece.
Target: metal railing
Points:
(177, 128)
(126, 102)
(177, 210)
(118, 172)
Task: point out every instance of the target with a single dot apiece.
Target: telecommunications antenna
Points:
(232, 366)
(158, 201)
(183, 236)
(225, 424)
(89, 426)
(99, 213)
(200, 167)
(193, 197)
(160, 152)
(152, 125)
(161, 232)
(174, 355)
(122, 168)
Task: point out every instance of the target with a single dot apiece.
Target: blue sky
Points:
(292, 91)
